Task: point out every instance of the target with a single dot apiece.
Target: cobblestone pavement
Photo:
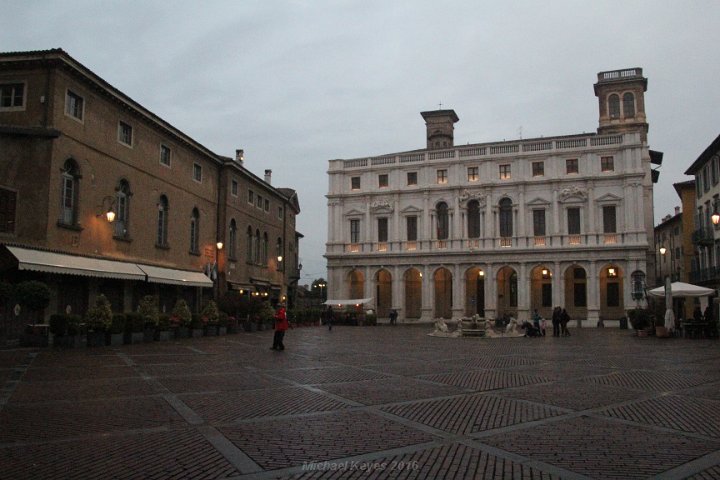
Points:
(365, 402)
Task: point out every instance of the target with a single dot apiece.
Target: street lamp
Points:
(715, 217)
(321, 285)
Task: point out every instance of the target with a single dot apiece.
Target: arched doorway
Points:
(383, 293)
(413, 293)
(576, 292)
(612, 304)
(507, 292)
(475, 292)
(443, 293)
(357, 284)
(541, 293)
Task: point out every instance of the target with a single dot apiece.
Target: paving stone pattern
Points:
(365, 402)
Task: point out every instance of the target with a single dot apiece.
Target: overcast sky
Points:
(297, 83)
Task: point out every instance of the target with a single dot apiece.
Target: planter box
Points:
(116, 339)
(222, 331)
(96, 339)
(163, 335)
(661, 332)
(211, 331)
(33, 340)
(149, 335)
(134, 338)
(182, 332)
(196, 332)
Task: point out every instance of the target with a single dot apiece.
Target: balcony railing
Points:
(441, 244)
(352, 247)
(703, 236)
(410, 246)
(705, 275)
(473, 243)
(574, 239)
(610, 238)
(539, 241)
(505, 242)
(381, 247)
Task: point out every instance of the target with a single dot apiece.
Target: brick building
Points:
(74, 148)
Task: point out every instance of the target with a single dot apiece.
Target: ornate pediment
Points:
(536, 202)
(574, 193)
(381, 205)
(467, 195)
(411, 209)
(354, 213)
(609, 198)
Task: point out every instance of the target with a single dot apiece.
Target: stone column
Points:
(459, 295)
(593, 294)
(524, 285)
(428, 295)
(490, 291)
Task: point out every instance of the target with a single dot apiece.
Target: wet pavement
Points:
(365, 402)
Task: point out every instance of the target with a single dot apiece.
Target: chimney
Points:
(677, 210)
(239, 155)
(268, 177)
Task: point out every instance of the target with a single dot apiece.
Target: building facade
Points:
(504, 227)
(99, 195)
(706, 234)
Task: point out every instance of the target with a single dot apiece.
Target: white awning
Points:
(351, 301)
(171, 276)
(41, 261)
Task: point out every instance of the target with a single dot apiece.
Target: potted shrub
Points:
(117, 327)
(76, 332)
(196, 326)
(222, 323)
(134, 326)
(232, 325)
(98, 320)
(180, 319)
(210, 318)
(148, 309)
(641, 321)
(163, 328)
(33, 296)
(370, 319)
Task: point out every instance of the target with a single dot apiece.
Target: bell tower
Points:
(440, 128)
(621, 98)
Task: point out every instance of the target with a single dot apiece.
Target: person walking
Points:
(393, 316)
(329, 317)
(281, 326)
(564, 319)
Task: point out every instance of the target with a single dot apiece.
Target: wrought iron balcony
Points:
(703, 236)
(711, 274)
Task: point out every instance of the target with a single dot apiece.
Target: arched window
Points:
(250, 244)
(232, 240)
(629, 105)
(506, 219)
(257, 247)
(638, 285)
(473, 219)
(122, 209)
(614, 106)
(443, 225)
(162, 222)
(265, 249)
(69, 188)
(195, 231)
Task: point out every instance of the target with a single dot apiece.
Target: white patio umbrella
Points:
(679, 289)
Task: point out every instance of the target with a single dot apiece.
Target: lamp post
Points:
(669, 315)
(321, 285)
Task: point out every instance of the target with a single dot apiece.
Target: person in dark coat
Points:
(556, 321)
(564, 319)
(281, 326)
(393, 316)
(329, 317)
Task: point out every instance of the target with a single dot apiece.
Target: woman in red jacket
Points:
(281, 325)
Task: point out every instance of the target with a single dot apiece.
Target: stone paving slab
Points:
(178, 454)
(77, 390)
(57, 420)
(448, 462)
(603, 449)
(389, 390)
(290, 442)
(599, 404)
(227, 407)
(472, 413)
(575, 395)
(694, 415)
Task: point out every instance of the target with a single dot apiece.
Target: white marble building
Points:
(504, 227)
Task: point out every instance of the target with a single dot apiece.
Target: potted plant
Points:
(98, 320)
(641, 321)
(223, 323)
(180, 319)
(134, 326)
(370, 319)
(117, 327)
(76, 332)
(210, 318)
(33, 296)
(232, 324)
(148, 309)
(196, 326)
(163, 329)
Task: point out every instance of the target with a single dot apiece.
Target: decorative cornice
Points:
(574, 191)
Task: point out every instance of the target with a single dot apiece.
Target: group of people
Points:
(560, 319)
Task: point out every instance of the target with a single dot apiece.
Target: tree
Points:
(319, 289)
